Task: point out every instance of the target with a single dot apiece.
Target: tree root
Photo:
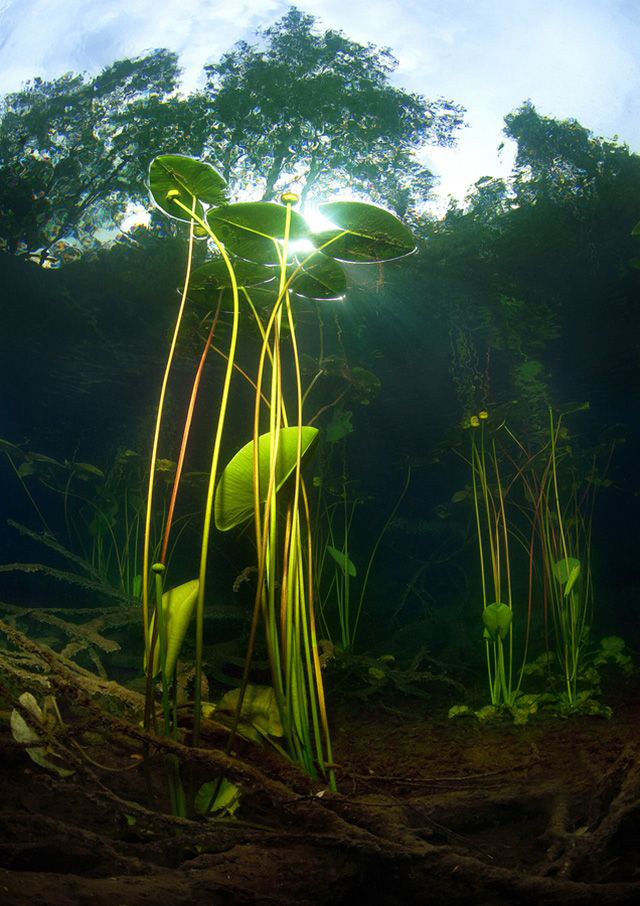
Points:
(368, 834)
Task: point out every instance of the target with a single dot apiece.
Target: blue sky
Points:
(572, 58)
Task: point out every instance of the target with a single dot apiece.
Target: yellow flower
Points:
(474, 421)
(483, 415)
(289, 198)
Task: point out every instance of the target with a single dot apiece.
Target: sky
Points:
(577, 59)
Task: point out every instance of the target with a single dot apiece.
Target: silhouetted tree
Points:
(74, 151)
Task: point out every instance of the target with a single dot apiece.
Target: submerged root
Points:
(417, 845)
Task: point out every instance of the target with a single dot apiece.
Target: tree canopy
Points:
(308, 106)
(75, 150)
(320, 109)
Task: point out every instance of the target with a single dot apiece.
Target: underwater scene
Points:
(319, 572)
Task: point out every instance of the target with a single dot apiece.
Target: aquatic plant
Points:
(334, 550)
(565, 534)
(493, 536)
(97, 523)
(258, 261)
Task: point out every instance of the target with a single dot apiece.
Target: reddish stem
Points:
(185, 436)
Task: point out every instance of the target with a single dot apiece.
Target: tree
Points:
(74, 151)
(319, 109)
(560, 160)
(533, 273)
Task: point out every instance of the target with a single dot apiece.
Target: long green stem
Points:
(156, 435)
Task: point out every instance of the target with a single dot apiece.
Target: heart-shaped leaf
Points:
(217, 796)
(178, 605)
(497, 619)
(365, 233)
(234, 494)
(176, 178)
(259, 709)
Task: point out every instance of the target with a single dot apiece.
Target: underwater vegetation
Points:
(320, 500)
(537, 500)
(266, 257)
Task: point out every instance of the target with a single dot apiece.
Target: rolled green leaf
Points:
(345, 563)
(234, 495)
(178, 605)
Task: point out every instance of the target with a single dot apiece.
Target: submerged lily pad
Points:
(567, 572)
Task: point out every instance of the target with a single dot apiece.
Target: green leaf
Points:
(497, 619)
(248, 229)
(259, 709)
(227, 797)
(90, 469)
(566, 572)
(178, 605)
(342, 560)
(175, 177)
(234, 494)
(214, 275)
(320, 278)
(372, 234)
(339, 426)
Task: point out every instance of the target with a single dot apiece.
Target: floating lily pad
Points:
(365, 233)
(248, 229)
(177, 178)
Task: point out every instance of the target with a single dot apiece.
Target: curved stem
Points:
(156, 435)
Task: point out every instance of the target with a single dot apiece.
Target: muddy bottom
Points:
(429, 811)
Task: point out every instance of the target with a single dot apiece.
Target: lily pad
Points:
(365, 233)
(248, 229)
(259, 710)
(177, 178)
(217, 796)
(567, 572)
(215, 275)
(320, 278)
